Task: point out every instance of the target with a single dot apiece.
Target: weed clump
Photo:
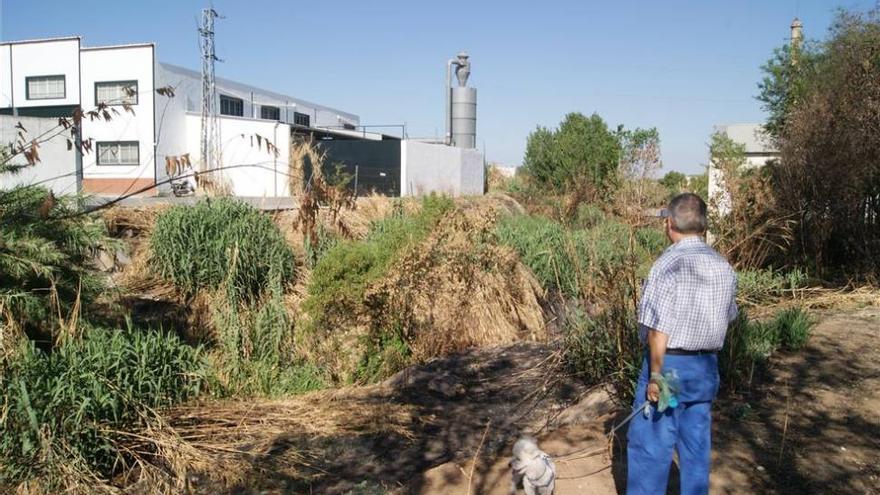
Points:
(63, 407)
(220, 241)
(750, 344)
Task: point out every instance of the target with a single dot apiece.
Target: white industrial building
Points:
(50, 78)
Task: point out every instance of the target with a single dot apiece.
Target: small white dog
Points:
(531, 467)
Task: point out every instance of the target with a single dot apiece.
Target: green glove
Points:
(668, 383)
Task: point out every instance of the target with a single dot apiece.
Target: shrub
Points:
(794, 327)
(574, 261)
(749, 344)
(255, 353)
(339, 281)
(768, 285)
(45, 257)
(201, 246)
(66, 403)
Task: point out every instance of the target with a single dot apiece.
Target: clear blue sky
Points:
(681, 66)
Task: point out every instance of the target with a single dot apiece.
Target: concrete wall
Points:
(429, 168)
(266, 175)
(57, 166)
(119, 64)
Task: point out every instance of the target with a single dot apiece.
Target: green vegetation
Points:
(339, 281)
(768, 285)
(571, 260)
(45, 259)
(581, 151)
(220, 242)
(750, 344)
(824, 103)
(66, 405)
(236, 255)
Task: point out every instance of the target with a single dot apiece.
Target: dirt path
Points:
(812, 425)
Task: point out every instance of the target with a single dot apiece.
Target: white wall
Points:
(120, 64)
(5, 77)
(56, 169)
(267, 177)
(45, 58)
(426, 168)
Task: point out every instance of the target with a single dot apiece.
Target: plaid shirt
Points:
(690, 296)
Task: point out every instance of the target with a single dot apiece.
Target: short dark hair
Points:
(688, 212)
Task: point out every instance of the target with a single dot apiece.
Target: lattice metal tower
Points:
(210, 144)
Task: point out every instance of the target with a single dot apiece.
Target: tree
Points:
(581, 152)
(639, 162)
(744, 217)
(674, 182)
(787, 76)
(828, 177)
(699, 185)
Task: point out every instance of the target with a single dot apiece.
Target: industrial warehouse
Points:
(169, 120)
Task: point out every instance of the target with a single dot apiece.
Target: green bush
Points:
(750, 344)
(216, 240)
(767, 285)
(40, 250)
(255, 353)
(66, 403)
(341, 277)
(793, 326)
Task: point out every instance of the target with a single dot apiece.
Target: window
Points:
(118, 153)
(45, 87)
(116, 92)
(348, 126)
(270, 113)
(302, 119)
(231, 106)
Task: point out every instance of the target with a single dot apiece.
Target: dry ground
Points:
(812, 425)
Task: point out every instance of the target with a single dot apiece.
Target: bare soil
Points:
(810, 424)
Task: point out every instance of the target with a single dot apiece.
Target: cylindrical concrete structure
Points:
(464, 117)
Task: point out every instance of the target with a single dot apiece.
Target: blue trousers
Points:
(686, 429)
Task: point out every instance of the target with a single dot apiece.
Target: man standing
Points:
(688, 301)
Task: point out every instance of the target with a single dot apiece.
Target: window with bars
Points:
(116, 92)
(118, 153)
(302, 119)
(270, 113)
(231, 106)
(45, 87)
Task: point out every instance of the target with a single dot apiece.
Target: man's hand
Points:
(657, 346)
(653, 393)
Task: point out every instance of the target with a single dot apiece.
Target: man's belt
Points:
(688, 352)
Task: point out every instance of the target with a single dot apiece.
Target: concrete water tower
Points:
(461, 105)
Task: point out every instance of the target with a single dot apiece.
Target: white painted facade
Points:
(131, 64)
